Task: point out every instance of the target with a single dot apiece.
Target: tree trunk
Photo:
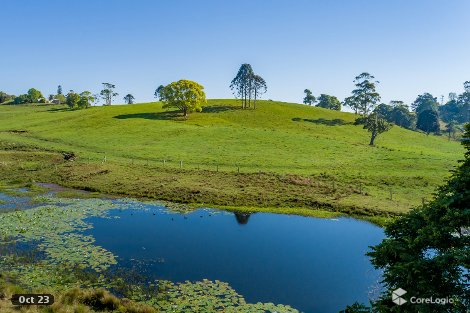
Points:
(372, 138)
(254, 102)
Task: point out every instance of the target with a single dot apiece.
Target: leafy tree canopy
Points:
(129, 99)
(329, 102)
(309, 97)
(424, 102)
(365, 97)
(158, 91)
(4, 97)
(427, 251)
(186, 95)
(107, 93)
(428, 121)
(72, 99)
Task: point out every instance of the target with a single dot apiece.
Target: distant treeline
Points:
(425, 114)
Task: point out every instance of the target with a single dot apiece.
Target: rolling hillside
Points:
(317, 150)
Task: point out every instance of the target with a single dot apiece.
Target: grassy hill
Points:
(314, 155)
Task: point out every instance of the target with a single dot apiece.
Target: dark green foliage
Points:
(428, 121)
(329, 102)
(158, 92)
(59, 90)
(107, 93)
(258, 87)
(86, 98)
(247, 85)
(364, 98)
(72, 99)
(458, 107)
(21, 99)
(425, 102)
(376, 125)
(309, 97)
(35, 96)
(129, 99)
(4, 97)
(427, 251)
(397, 113)
(240, 85)
(450, 111)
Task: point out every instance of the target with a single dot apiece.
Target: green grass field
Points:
(304, 153)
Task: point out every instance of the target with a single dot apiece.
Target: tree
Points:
(129, 99)
(242, 83)
(186, 95)
(450, 111)
(451, 128)
(35, 96)
(259, 87)
(425, 102)
(107, 94)
(86, 99)
(364, 98)
(21, 99)
(397, 113)
(72, 99)
(352, 102)
(309, 97)
(428, 121)
(4, 97)
(376, 125)
(426, 251)
(60, 98)
(158, 91)
(59, 90)
(464, 104)
(329, 102)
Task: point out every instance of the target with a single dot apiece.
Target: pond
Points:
(312, 264)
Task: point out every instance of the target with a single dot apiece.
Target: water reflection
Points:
(242, 218)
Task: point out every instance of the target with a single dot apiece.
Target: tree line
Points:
(424, 114)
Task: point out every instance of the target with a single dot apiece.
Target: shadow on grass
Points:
(219, 108)
(166, 115)
(322, 121)
(58, 109)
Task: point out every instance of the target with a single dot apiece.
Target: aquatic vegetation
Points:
(57, 229)
(209, 296)
(64, 257)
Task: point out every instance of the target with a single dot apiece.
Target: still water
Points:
(312, 264)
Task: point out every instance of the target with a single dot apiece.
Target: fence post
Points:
(391, 195)
(181, 164)
(360, 187)
(164, 161)
(238, 168)
(217, 167)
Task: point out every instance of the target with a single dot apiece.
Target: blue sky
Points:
(410, 46)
